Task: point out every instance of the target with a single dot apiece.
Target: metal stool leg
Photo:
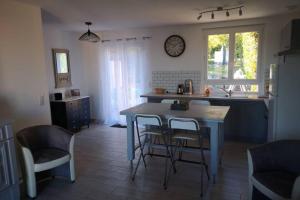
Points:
(183, 144)
(155, 141)
(169, 155)
(202, 156)
(136, 167)
(150, 149)
(141, 154)
(177, 143)
(166, 172)
(201, 189)
(180, 151)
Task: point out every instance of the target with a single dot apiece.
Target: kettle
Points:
(188, 86)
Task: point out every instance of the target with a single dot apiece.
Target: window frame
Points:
(231, 31)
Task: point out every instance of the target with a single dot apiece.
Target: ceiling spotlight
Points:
(240, 12)
(199, 17)
(212, 15)
(227, 13)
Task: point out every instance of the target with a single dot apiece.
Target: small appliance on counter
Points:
(188, 86)
(58, 96)
(75, 92)
(180, 89)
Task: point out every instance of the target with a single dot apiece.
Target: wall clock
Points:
(174, 45)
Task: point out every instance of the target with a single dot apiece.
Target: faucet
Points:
(228, 93)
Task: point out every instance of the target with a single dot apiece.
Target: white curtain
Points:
(123, 77)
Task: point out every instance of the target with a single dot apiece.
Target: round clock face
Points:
(174, 45)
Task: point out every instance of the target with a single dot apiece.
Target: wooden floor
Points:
(103, 172)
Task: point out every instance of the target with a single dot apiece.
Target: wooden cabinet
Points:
(9, 179)
(72, 113)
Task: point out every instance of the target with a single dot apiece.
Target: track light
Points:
(199, 17)
(240, 11)
(226, 10)
(227, 13)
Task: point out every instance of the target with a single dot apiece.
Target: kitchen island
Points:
(246, 120)
(209, 116)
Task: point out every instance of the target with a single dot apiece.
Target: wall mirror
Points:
(62, 73)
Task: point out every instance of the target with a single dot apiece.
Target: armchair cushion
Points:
(283, 155)
(274, 169)
(279, 182)
(45, 136)
(48, 154)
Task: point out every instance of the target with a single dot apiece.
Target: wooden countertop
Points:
(200, 112)
(202, 97)
(71, 99)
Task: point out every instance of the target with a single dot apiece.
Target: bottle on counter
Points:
(207, 92)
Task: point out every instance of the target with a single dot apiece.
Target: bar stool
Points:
(156, 139)
(192, 133)
(147, 126)
(204, 130)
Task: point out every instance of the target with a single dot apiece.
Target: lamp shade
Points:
(89, 36)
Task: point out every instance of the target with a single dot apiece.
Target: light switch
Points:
(42, 100)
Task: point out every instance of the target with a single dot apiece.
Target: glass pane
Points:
(245, 55)
(218, 56)
(61, 62)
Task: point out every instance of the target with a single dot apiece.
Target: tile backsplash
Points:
(170, 79)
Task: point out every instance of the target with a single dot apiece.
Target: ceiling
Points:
(123, 14)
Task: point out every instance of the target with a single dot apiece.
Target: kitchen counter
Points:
(246, 119)
(237, 97)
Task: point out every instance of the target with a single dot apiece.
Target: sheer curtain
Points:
(123, 77)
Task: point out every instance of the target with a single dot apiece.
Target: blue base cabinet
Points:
(247, 121)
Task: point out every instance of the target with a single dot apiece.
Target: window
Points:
(218, 56)
(232, 59)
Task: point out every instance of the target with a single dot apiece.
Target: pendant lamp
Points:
(89, 36)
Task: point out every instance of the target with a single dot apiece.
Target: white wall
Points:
(92, 76)
(56, 38)
(192, 58)
(23, 80)
(84, 64)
